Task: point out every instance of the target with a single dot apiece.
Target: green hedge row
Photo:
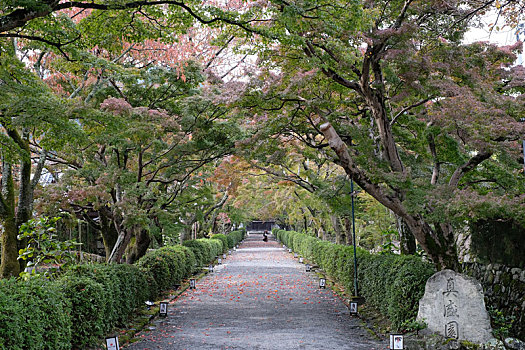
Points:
(88, 301)
(34, 314)
(235, 237)
(205, 250)
(231, 239)
(392, 283)
(74, 311)
(168, 266)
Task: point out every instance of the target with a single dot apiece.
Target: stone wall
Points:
(504, 289)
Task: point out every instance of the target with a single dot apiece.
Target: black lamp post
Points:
(353, 240)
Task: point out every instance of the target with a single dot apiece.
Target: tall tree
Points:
(29, 114)
(427, 126)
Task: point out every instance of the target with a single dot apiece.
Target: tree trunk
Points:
(12, 219)
(439, 244)
(10, 266)
(25, 198)
(407, 242)
(139, 246)
(349, 232)
(340, 235)
(108, 232)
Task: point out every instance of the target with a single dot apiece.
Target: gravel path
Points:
(259, 298)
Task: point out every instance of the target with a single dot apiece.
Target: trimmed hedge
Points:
(235, 237)
(393, 284)
(168, 266)
(231, 239)
(125, 287)
(34, 314)
(223, 239)
(205, 250)
(201, 248)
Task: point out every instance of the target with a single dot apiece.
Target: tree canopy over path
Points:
(153, 120)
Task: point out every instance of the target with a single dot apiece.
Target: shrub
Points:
(217, 247)
(201, 248)
(89, 307)
(188, 263)
(35, 314)
(235, 237)
(224, 241)
(79, 308)
(157, 267)
(168, 266)
(125, 286)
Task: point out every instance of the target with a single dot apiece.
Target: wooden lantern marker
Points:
(289, 250)
(163, 311)
(229, 252)
(224, 256)
(219, 261)
(301, 260)
(112, 343)
(193, 283)
(353, 308)
(210, 268)
(295, 255)
(308, 268)
(322, 283)
(396, 342)
(284, 247)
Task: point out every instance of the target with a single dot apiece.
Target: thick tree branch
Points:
(219, 204)
(38, 169)
(468, 166)
(20, 17)
(57, 45)
(355, 173)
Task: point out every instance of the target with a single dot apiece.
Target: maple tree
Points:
(136, 164)
(85, 52)
(427, 126)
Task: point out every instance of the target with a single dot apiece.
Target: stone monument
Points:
(453, 306)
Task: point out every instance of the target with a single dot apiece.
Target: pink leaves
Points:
(116, 106)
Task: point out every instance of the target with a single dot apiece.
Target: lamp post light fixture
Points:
(353, 308)
(163, 311)
(396, 342)
(112, 343)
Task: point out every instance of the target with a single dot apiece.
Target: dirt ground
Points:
(259, 298)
